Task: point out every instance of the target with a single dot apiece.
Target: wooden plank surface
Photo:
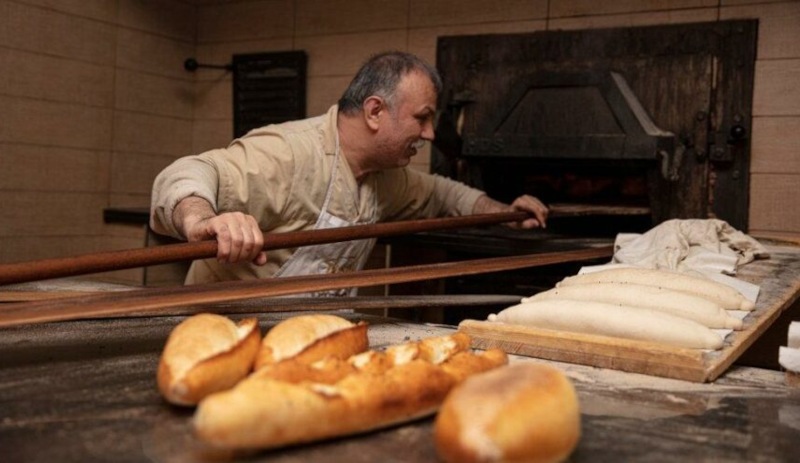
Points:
(778, 277)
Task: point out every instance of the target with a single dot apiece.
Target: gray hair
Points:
(380, 76)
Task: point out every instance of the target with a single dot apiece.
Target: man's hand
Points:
(239, 239)
(530, 204)
(526, 203)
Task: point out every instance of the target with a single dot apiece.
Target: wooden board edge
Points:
(586, 349)
(745, 338)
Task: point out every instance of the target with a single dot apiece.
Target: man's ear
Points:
(374, 107)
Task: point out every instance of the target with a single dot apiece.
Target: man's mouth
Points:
(416, 146)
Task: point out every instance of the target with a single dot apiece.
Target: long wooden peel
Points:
(131, 258)
(152, 299)
(307, 304)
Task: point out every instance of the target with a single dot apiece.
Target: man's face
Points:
(408, 122)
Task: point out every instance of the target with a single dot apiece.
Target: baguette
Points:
(262, 412)
(206, 353)
(326, 371)
(434, 350)
(722, 295)
(524, 412)
(611, 320)
(309, 338)
(677, 303)
(332, 369)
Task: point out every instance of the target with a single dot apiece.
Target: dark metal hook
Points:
(191, 65)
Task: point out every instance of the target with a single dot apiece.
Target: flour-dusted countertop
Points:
(86, 391)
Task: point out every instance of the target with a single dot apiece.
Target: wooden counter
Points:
(85, 391)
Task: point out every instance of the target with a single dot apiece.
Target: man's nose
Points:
(428, 132)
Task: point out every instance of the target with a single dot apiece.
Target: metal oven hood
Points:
(589, 115)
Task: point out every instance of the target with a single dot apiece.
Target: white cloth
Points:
(703, 247)
(706, 246)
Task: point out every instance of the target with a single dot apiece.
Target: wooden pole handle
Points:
(131, 258)
(122, 302)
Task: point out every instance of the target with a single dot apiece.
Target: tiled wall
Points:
(775, 164)
(94, 100)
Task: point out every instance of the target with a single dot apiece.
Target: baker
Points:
(346, 167)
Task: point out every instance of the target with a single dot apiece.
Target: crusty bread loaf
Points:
(308, 338)
(325, 371)
(264, 412)
(206, 353)
(524, 412)
(435, 350)
(332, 369)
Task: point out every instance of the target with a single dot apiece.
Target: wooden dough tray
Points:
(778, 277)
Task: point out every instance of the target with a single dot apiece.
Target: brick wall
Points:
(94, 101)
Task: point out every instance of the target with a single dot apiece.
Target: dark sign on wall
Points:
(268, 88)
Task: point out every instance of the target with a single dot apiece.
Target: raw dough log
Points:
(722, 295)
(611, 320)
(793, 338)
(206, 353)
(665, 300)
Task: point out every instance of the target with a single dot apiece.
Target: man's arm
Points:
(190, 176)
(414, 194)
(183, 207)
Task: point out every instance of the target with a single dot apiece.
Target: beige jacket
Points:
(279, 174)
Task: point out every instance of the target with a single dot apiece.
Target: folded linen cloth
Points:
(705, 246)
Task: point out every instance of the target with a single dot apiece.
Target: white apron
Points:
(345, 256)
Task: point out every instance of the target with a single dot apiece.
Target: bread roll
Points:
(524, 412)
(206, 353)
(308, 338)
